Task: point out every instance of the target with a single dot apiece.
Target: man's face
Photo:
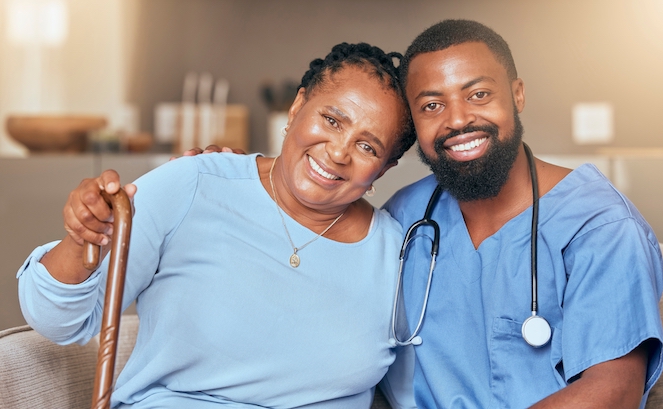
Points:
(465, 111)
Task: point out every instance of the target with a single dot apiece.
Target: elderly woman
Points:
(259, 282)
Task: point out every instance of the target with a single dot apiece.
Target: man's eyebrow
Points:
(476, 81)
(433, 93)
(429, 94)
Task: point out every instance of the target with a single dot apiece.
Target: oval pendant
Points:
(294, 260)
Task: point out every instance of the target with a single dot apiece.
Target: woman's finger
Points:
(93, 231)
(109, 181)
(86, 214)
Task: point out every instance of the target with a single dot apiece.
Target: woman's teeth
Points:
(467, 146)
(321, 171)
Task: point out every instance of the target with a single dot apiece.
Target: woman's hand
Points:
(87, 216)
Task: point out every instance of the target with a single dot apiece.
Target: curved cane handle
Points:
(110, 323)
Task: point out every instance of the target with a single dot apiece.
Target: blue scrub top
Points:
(600, 276)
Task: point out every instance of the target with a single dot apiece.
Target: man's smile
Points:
(462, 147)
(465, 146)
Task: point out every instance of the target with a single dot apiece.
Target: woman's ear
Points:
(386, 168)
(297, 104)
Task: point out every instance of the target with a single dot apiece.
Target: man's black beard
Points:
(481, 178)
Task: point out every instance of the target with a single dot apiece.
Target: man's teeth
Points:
(321, 171)
(467, 146)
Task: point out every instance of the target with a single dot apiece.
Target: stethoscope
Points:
(535, 330)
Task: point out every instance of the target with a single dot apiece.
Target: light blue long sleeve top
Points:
(225, 321)
(600, 277)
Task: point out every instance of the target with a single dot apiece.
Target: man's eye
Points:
(480, 95)
(431, 106)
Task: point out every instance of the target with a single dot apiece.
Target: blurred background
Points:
(91, 84)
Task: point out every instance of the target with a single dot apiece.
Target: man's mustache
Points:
(491, 130)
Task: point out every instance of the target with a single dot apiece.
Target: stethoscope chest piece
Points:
(536, 331)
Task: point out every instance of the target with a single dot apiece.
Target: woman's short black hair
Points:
(453, 32)
(379, 65)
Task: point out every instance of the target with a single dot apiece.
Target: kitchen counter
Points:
(33, 191)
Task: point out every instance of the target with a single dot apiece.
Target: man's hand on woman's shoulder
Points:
(210, 149)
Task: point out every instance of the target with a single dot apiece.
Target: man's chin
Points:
(478, 179)
(433, 162)
(427, 160)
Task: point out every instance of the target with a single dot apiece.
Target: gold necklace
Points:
(294, 258)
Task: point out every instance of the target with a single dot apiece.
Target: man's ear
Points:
(518, 93)
(297, 104)
(386, 168)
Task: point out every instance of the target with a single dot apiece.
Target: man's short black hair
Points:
(453, 32)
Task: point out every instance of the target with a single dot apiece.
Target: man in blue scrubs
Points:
(599, 263)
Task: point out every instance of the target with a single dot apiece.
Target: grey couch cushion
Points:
(36, 373)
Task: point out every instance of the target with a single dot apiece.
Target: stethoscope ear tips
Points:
(536, 331)
(416, 340)
(392, 342)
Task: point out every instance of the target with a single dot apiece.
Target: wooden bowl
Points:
(138, 142)
(47, 133)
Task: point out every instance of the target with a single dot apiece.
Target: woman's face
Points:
(340, 138)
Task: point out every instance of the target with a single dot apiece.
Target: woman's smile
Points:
(318, 169)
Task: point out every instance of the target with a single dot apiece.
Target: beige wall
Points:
(567, 51)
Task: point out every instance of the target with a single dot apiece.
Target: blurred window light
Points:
(37, 22)
(593, 123)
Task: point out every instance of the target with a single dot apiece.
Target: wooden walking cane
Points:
(110, 323)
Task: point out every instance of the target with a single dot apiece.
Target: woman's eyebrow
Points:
(374, 139)
(338, 112)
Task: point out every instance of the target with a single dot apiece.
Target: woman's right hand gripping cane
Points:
(87, 217)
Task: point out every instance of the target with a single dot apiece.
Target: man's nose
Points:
(458, 115)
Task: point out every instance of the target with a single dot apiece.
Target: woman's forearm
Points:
(65, 262)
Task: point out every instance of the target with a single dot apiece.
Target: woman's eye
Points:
(367, 148)
(331, 121)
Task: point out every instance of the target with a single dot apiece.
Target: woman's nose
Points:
(338, 150)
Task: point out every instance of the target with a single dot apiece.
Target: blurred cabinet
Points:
(33, 191)
(187, 125)
(237, 128)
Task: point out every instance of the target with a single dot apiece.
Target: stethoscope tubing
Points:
(535, 330)
(535, 228)
(435, 246)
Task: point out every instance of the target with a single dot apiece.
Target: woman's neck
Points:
(355, 217)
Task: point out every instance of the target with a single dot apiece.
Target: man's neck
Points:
(485, 217)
